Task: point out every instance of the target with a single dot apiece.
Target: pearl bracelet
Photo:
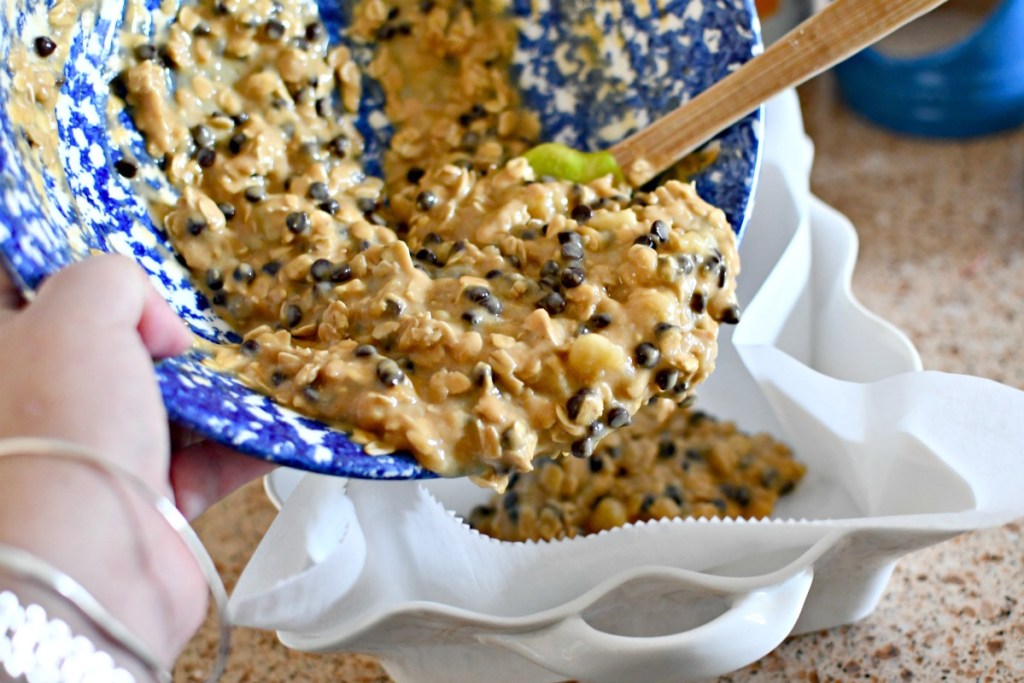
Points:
(26, 566)
(44, 650)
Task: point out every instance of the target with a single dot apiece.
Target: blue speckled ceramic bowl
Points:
(654, 55)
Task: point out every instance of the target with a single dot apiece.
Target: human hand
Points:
(77, 365)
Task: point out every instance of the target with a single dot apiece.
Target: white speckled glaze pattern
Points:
(660, 53)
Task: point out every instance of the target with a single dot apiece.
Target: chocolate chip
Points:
(365, 351)
(582, 213)
(342, 273)
(472, 317)
(340, 146)
(482, 374)
(428, 256)
(275, 29)
(737, 492)
(202, 136)
(477, 294)
(271, 267)
(298, 222)
(647, 355)
(494, 306)
(236, 142)
(44, 46)
(331, 206)
(255, 194)
(659, 229)
(166, 58)
(118, 86)
(698, 303)
(666, 449)
(713, 261)
(145, 52)
(206, 157)
(415, 174)
(314, 31)
(582, 448)
(675, 493)
(243, 273)
(550, 269)
(666, 378)
(195, 226)
(599, 321)
(575, 403)
(321, 270)
(126, 167)
(319, 191)
(572, 251)
(366, 204)
(291, 315)
(325, 110)
(553, 303)
(573, 277)
(646, 241)
(426, 200)
(389, 373)
(250, 347)
(227, 209)
(730, 315)
(618, 417)
(214, 279)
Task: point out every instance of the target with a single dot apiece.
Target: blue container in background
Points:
(973, 85)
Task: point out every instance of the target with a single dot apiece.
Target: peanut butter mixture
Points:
(668, 463)
(460, 308)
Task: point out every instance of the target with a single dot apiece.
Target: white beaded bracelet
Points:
(25, 566)
(44, 650)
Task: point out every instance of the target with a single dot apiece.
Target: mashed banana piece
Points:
(668, 463)
(460, 308)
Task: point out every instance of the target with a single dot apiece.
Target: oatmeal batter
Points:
(668, 463)
(461, 308)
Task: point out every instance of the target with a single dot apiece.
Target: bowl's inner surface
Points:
(593, 71)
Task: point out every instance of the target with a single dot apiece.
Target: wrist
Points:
(109, 540)
(48, 637)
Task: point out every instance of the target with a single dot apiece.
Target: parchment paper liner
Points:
(897, 459)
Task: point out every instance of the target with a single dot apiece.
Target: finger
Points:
(10, 297)
(205, 472)
(162, 331)
(112, 291)
(107, 291)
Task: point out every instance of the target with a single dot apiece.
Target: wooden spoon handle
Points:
(838, 31)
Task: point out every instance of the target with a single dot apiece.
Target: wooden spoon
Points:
(840, 30)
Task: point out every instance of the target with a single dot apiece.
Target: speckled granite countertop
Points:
(941, 226)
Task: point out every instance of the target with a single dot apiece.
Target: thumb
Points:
(112, 291)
